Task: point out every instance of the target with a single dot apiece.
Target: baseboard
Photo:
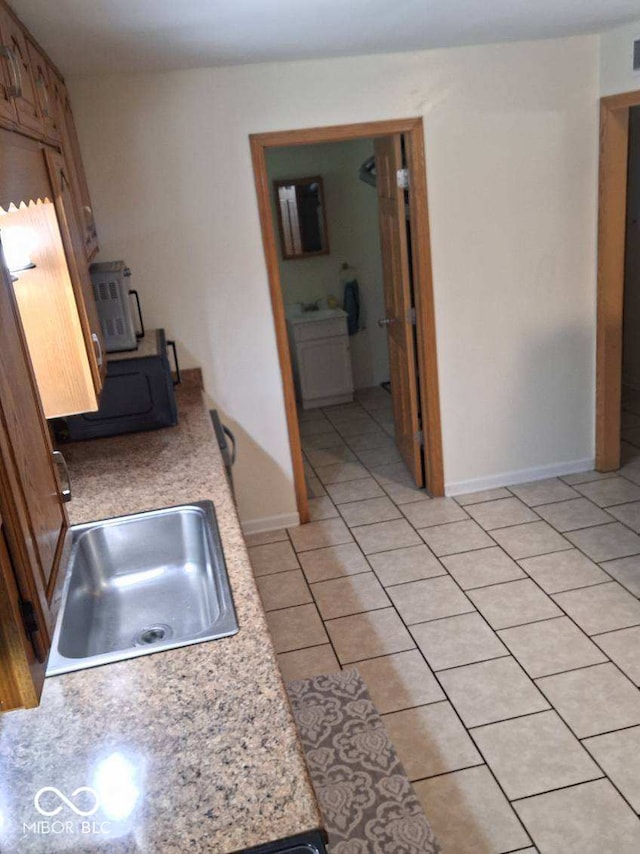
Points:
(508, 478)
(270, 523)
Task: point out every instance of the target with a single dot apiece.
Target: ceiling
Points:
(103, 36)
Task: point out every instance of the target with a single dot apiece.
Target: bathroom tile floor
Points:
(498, 633)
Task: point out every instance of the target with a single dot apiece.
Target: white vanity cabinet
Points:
(321, 358)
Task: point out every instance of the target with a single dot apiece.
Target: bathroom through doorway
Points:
(315, 249)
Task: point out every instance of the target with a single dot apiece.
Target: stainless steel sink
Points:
(141, 584)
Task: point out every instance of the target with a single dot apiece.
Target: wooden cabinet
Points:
(74, 240)
(34, 522)
(44, 78)
(8, 82)
(321, 361)
(25, 97)
(21, 673)
(34, 101)
(53, 292)
(78, 181)
(50, 344)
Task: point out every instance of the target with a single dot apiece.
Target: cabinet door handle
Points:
(15, 89)
(42, 85)
(66, 483)
(89, 222)
(98, 347)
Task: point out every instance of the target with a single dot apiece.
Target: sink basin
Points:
(141, 584)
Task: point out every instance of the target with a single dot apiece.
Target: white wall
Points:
(616, 60)
(352, 224)
(511, 136)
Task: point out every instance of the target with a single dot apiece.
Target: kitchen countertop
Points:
(192, 749)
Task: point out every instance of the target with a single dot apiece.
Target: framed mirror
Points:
(302, 218)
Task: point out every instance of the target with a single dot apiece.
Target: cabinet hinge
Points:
(402, 177)
(28, 617)
(411, 315)
(419, 437)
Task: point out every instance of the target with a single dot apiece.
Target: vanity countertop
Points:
(192, 749)
(320, 314)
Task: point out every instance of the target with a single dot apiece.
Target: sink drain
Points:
(152, 634)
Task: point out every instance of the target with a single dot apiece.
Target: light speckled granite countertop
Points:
(193, 749)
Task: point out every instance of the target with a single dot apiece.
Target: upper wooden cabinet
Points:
(44, 78)
(8, 83)
(44, 252)
(34, 101)
(14, 44)
(77, 177)
(74, 242)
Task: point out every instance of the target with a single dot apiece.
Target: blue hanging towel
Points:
(351, 304)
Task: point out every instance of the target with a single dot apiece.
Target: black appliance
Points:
(137, 394)
(305, 843)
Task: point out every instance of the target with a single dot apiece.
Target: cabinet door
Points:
(30, 502)
(75, 169)
(324, 366)
(72, 237)
(21, 674)
(43, 78)
(8, 79)
(26, 101)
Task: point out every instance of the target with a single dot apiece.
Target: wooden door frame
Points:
(412, 130)
(612, 215)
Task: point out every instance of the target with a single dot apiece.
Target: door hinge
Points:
(402, 177)
(419, 437)
(28, 617)
(411, 315)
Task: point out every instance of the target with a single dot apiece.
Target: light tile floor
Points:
(498, 633)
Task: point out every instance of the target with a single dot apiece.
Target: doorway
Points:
(408, 289)
(630, 404)
(613, 231)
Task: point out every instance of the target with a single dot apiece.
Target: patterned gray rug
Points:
(364, 794)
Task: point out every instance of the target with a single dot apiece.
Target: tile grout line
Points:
(494, 631)
(551, 703)
(516, 816)
(329, 638)
(451, 704)
(609, 732)
(557, 711)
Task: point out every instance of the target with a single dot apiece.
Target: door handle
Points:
(66, 483)
(98, 349)
(386, 321)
